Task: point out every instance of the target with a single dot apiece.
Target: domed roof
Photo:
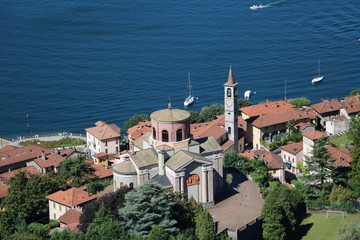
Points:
(170, 115)
(125, 168)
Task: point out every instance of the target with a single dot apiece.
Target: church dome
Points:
(170, 115)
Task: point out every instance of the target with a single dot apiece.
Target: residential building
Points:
(350, 105)
(337, 125)
(62, 201)
(309, 139)
(70, 220)
(340, 157)
(325, 110)
(103, 138)
(17, 157)
(292, 156)
(273, 162)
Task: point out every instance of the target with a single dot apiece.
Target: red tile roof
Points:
(313, 135)
(302, 125)
(327, 106)
(101, 154)
(351, 104)
(267, 108)
(71, 217)
(50, 160)
(282, 117)
(72, 197)
(4, 177)
(140, 129)
(227, 145)
(7, 148)
(103, 131)
(340, 117)
(272, 160)
(102, 171)
(20, 154)
(341, 157)
(293, 148)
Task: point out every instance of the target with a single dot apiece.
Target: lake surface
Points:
(70, 63)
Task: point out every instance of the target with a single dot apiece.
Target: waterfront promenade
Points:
(47, 137)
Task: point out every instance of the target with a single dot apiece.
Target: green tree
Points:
(78, 170)
(104, 227)
(339, 193)
(209, 113)
(290, 124)
(349, 231)
(67, 235)
(354, 175)
(319, 171)
(158, 233)
(204, 225)
(147, 206)
(134, 120)
(283, 211)
(26, 195)
(111, 201)
(300, 102)
(194, 117)
(355, 92)
(242, 102)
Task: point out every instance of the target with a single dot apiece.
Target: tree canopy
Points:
(355, 92)
(78, 170)
(147, 206)
(318, 180)
(242, 102)
(300, 102)
(209, 113)
(134, 120)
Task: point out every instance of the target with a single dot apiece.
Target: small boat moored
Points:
(319, 78)
(256, 7)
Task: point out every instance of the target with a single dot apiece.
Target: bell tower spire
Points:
(231, 109)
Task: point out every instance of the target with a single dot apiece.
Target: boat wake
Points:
(256, 7)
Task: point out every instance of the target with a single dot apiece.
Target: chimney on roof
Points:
(43, 155)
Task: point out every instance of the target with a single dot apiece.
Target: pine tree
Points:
(204, 225)
(319, 171)
(149, 205)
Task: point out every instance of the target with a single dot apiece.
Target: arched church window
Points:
(165, 136)
(228, 92)
(229, 130)
(122, 185)
(131, 185)
(179, 135)
(154, 133)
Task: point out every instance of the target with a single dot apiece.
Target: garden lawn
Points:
(341, 141)
(318, 226)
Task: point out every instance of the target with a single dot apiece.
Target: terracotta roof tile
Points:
(267, 108)
(20, 154)
(139, 129)
(7, 148)
(340, 117)
(4, 177)
(302, 125)
(50, 160)
(272, 160)
(101, 154)
(313, 135)
(293, 148)
(102, 171)
(103, 131)
(227, 145)
(72, 197)
(327, 106)
(351, 104)
(341, 157)
(282, 117)
(70, 217)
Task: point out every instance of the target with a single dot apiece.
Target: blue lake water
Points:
(70, 63)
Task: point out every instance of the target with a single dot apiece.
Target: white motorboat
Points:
(190, 99)
(318, 78)
(256, 7)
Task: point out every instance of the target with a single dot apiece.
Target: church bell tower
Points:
(231, 110)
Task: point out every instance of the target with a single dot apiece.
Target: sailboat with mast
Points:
(190, 99)
(318, 78)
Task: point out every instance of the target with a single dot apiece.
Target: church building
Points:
(170, 155)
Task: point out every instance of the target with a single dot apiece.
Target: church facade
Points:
(170, 155)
